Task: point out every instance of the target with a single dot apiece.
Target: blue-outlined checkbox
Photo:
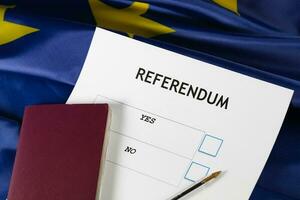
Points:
(196, 172)
(210, 145)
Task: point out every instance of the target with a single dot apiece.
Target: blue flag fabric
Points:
(43, 45)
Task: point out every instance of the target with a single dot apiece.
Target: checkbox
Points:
(210, 145)
(196, 172)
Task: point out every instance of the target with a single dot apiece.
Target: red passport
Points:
(61, 153)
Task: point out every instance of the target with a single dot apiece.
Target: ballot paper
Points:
(176, 119)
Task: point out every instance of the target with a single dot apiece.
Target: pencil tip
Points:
(216, 174)
(212, 176)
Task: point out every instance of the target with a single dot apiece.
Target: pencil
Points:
(205, 180)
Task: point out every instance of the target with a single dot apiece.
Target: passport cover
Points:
(59, 153)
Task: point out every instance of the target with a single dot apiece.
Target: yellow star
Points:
(10, 31)
(229, 4)
(127, 20)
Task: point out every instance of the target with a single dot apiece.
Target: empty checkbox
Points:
(210, 145)
(196, 172)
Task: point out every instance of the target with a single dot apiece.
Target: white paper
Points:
(161, 141)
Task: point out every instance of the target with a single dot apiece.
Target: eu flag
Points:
(43, 45)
